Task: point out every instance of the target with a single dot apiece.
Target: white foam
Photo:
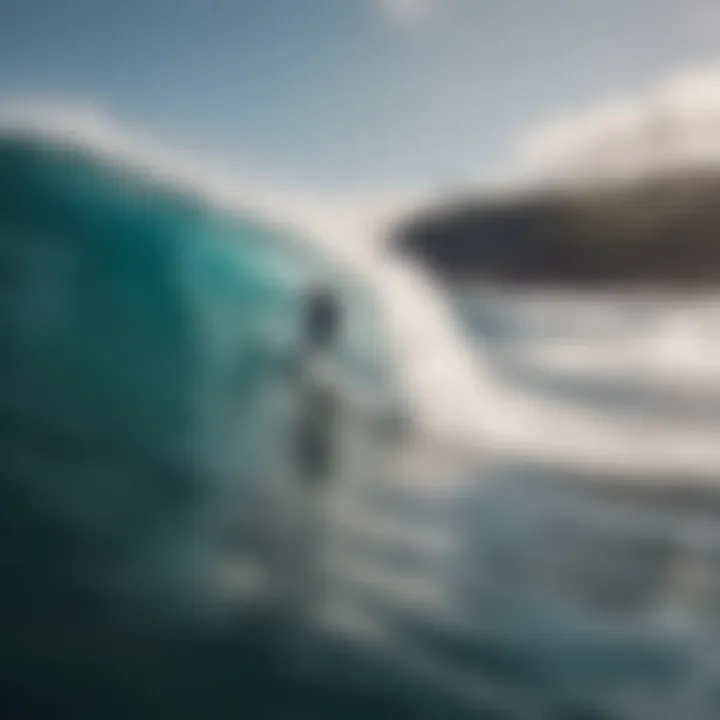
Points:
(662, 349)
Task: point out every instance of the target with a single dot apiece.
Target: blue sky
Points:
(349, 94)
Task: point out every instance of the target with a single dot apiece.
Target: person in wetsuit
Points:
(315, 430)
(313, 439)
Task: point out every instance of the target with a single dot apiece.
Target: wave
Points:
(435, 369)
(460, 385)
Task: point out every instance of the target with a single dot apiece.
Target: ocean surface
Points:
(546, 547)
(569, 567)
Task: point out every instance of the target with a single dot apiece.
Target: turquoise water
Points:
(148, 344)
(562, 567)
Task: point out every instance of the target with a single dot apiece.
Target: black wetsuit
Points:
(315, 434)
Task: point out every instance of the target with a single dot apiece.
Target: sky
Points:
(349, 95)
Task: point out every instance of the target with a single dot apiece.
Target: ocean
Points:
(569, 566)
(543, 546)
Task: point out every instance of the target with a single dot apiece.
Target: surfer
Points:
(318, 397)
(312, 444)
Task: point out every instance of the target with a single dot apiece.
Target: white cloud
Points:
(676, 122)
(408, 12)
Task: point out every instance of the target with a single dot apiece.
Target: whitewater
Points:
(452, 374)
